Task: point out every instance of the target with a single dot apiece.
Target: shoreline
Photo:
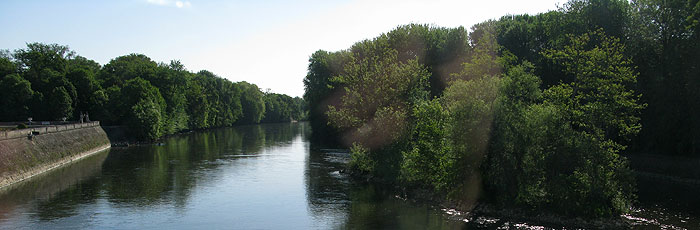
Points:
(473, 213)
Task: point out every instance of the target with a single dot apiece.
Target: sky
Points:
(267, 43)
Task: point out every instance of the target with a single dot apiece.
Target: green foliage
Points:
(251, 102)
(441, 50)
(171, 80)
(597, 98)
(146, 119)
(470, 106)
(361, 159)
(142, 107)
(549, 164)
(299, 109)
(427, 160)
(127, 67)
(38, 57)
(281, 108)
(484, 60)
(374, 84)
(611, 16)
(60, 103)
(15, 96)
(528, 147)
(663, 43)
(87, 96)
(223, 97)
(197, 106)
(320, 92)
(7, 67)
(50, 82)
(378, 94)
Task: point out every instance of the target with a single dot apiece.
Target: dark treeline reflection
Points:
(58, 187)
(155, 174)
(250, 177)
(144, 176)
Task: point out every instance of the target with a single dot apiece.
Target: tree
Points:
(15, 97)
(197, 106)
(597, 97)
(427, 161)
(665, 48)
(320, 91)
(146, 120)
(60, 103)
(39, 56)
(141, 108)
(378, 95)
(86, 87)
(171, 80)
(252, 103)
(127, 67)
(7, 67)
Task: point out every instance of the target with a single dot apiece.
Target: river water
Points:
(251, 177)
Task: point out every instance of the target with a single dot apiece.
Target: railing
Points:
(23, 133)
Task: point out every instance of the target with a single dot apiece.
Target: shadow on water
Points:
(666, 204)
(51, 188)
(253, 176)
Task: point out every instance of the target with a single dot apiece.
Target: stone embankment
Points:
(28, 152)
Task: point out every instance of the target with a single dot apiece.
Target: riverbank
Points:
(30, 152)
(664, 185)
(483, 212)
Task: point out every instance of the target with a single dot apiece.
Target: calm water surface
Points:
(248, 177)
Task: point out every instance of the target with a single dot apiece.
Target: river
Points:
(250, 177)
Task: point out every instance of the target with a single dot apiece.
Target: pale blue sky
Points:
(264, 42)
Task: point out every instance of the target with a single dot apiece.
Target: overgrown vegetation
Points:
(50, 82)
(532, 109)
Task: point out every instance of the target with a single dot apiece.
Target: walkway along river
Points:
(260, 176)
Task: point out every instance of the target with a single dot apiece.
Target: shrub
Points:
(146, 120)
(423, 160)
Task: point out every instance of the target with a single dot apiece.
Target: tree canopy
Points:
(51, 82)
(534, 110)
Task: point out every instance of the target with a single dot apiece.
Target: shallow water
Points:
(248, 177)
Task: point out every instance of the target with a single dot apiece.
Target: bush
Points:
(146, 120)
(423, 160)
(21, 126)
(540, 161)
(361, 161)
(470, 106)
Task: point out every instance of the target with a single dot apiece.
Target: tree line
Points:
(527, 111)
(51, 82)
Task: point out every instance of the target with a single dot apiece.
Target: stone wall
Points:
(11, 134)
(22, 156)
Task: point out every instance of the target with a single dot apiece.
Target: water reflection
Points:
(356, 205)
(257, 176)
(53, 190)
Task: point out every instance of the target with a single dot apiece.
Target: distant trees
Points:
(282, 108)
(49, 82)
(251, 102)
